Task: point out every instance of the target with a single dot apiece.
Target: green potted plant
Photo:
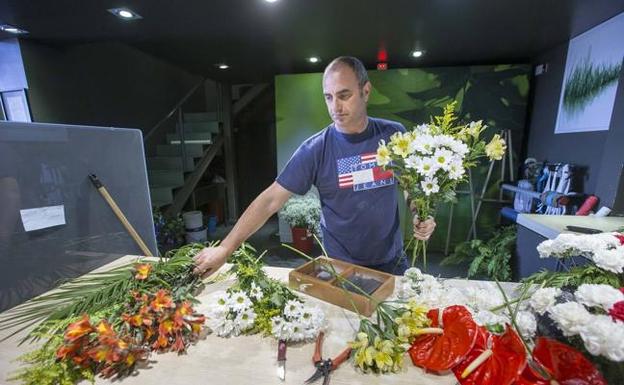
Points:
(303, 214)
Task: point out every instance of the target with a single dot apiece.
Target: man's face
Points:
(346, 101)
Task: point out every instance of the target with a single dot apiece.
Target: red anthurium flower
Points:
(161, 301)
(564, 364)
(447, 342)
(620, 237)
(617, 311)
(494, 360)
(78, 329)
(142, 271)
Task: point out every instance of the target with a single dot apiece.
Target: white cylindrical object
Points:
(193, 220)
(198, 236)
(603, 212)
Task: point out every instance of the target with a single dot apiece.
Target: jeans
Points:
(397, 266)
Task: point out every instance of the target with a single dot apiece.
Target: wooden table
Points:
(252, 359)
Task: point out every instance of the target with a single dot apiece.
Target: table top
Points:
(550, 226)
(247, 359)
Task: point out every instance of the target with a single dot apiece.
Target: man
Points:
(360, 216)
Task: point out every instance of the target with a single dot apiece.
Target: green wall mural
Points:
(497, 94)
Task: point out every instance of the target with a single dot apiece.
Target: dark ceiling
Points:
(260, 39)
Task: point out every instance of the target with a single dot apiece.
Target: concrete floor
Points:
(267, 238)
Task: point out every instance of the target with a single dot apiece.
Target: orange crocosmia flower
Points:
(161, 300)
(99, 353)
(142, 271)
(132, 320)
(178, 345)
(161, 342)
(165, 327)
(105, 329)
(78, 329)
(66, 351)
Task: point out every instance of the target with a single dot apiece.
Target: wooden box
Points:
(304, 279)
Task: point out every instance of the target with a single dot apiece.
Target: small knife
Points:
(281, 360)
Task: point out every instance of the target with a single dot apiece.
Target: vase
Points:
(302, 239)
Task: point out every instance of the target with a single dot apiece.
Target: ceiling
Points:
(259, 39)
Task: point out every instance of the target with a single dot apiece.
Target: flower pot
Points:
(302, 239)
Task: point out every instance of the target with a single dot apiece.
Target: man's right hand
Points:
(209, 260)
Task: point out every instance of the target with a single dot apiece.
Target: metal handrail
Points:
(173, 110)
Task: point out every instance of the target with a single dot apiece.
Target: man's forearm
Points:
(256, 215)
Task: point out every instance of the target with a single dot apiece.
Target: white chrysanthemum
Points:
(597, 333)
(413, 273)
(444, 141)
(611, 260)
(443, 158)
(293, 308)
(245, 319)
(543, 299)
(460, 148)
(426, 167)
(570, 317)
(425, 144)
(430, 186)
(239, 301)
(483, 298)
(614, 350)
(255, 292)
(603, 296)
(221, 327)
(527, 325)
(422, 129)
(456, 169)
(413, 161)
(487, 318)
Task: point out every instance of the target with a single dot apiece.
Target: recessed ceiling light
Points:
(11, 29)
(314, 59)
(417, 53)
(223, 66)
(270, 1)
(125, 13)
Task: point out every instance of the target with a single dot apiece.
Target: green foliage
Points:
(491, 257)
(247, 267)
(169, 230)
(575, 277)
(586, 81)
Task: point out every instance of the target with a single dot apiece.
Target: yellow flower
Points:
(400, 144)
(383, 154)
(496, 148)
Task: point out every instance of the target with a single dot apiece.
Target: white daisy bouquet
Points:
(431, 160)
(298, 322)
(231, 313)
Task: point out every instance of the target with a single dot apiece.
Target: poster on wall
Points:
(591, 78)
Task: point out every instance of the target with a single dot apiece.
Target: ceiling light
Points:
(314, 59)
(417, 53)
(223, 66)
(125, 13)
(270, 1)
(11, 29)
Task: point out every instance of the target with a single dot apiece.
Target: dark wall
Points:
(601, 152)
(103, 84)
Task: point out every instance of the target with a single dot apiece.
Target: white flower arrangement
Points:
(298, 323)
(303, 211)
(230, 314)
(604, 249)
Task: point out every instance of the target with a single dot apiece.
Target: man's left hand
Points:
(423, 229)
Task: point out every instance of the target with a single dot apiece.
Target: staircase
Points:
(168, 170)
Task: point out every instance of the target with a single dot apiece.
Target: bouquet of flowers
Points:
(430, 161)
(259, 304)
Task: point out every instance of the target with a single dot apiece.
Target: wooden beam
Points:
(182, 195)
(250, 95)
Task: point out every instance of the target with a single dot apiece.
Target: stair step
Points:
(192, 150)
(161, 194)
(192, 138)
(165, 178)
(200, 116)
(209, 126)
(170, 163)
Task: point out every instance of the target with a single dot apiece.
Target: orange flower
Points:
(178, 345)
(161, 342)
(165, 327)
(66, 351)
(142, 270)
(162, 300)
(182, 312)
(99, 353)
(130, 359)
(78, 329)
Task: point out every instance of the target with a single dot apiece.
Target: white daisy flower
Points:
(293, 308)
(239, 301)
(443, 158)
(255, 292)
(430, 186)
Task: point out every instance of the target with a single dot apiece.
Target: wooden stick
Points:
(122, 218)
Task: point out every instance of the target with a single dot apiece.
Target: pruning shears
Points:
(325, 367)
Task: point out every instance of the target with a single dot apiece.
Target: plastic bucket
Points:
(199, 235)
(212, 224)
(193, 219)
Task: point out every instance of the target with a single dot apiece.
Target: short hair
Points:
(352, 62)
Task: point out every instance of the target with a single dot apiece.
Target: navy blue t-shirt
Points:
(360, 213)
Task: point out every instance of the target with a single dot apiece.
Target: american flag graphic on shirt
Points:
(361, 172)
